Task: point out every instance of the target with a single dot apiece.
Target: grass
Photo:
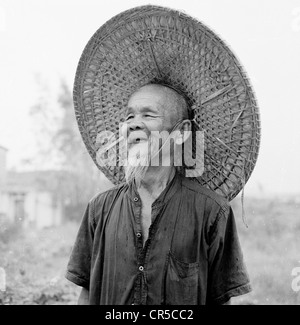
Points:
(35, 262)
(271, 249)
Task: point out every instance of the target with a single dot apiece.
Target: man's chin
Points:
(137, 150)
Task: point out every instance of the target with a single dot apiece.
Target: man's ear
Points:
(185, 132)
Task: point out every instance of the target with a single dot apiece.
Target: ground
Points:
(35, 261)
(271, 247)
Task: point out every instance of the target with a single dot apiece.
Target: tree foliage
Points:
(61, 148)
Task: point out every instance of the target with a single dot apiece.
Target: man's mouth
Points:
(136, 137)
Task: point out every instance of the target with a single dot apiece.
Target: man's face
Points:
(147, 111)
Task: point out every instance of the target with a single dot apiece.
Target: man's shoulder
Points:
(198, 189)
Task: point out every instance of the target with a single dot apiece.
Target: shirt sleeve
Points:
(79, 265)
(227, 276)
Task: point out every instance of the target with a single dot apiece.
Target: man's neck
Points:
(155, 180)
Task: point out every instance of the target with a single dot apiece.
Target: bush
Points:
(9, 231)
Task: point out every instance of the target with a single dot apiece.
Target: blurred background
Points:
(47, 177)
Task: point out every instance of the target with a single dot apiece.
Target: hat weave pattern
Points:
(152, 44)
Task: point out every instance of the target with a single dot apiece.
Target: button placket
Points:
(137, 221)
(140, 289)
(144, 251)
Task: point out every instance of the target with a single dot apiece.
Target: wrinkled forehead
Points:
(156, 97)
(148, 97)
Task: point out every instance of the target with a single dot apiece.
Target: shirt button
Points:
(141, 268)
(138, 235)
(135, 199)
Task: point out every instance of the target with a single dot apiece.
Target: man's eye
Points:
(128, 117)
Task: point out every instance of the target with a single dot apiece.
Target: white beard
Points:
(138, 161)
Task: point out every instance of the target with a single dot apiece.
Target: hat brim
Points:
(151, 44)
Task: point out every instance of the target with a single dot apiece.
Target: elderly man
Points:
(160, 237)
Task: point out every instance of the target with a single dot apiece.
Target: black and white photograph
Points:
(149, 154)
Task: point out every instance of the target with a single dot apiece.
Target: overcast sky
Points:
(46, 38)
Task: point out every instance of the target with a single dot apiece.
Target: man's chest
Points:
(172, 227)
(146, 220)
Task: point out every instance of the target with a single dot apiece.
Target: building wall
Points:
(2, 166)
(25, 204)
(30, 209)
(40, 210)
(4, 207)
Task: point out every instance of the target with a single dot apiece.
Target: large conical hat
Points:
(151, 44)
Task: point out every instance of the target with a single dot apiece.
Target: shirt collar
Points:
(164, 196)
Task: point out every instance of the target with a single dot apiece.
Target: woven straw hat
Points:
(151, 44)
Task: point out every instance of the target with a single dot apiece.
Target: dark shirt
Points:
(192, 255)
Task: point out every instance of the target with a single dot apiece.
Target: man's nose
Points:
(132, 125)
(135, 124)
